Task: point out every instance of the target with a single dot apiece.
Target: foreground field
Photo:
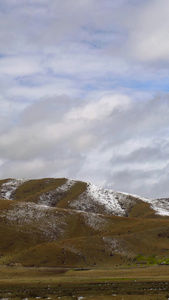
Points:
(115, 283)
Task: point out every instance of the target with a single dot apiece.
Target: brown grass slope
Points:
(31, 190)
(78, 239)
(35, 235)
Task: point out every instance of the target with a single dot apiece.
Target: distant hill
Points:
(67, 223)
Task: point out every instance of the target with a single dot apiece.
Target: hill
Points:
(67, 223)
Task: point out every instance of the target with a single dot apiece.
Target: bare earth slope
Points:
(62, 222)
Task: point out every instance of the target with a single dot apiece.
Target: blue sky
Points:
(84, 92)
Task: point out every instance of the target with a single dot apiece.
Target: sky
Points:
(84, 92)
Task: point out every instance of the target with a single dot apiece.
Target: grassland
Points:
(58, 237)
(63, 283)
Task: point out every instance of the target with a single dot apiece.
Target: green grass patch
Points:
(151, 260)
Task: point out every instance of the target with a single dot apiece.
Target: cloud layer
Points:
(84, 92)
(116, 141)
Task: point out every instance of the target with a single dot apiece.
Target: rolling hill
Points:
(68, 223)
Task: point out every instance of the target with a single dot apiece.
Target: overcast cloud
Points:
(84, 92)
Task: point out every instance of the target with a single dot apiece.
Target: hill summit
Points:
(63, 222)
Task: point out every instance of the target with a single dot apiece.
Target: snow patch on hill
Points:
(96, 199)
(50, 222)
(95, 221)
(117, 246)
(72, 248)
(8, 188)
(111, 200)
(115, 203)
(52, 197)
(160, 206)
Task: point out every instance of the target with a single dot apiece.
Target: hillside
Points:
(67, 223)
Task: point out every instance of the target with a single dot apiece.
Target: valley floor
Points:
(144, 282)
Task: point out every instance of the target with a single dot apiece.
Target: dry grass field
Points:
(115, 283)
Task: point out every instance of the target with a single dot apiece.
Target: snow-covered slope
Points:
(9, 187)
(160, 206)
(93, 199)
(112, 202)
(117, 203)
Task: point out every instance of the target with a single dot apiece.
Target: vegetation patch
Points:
(151, 260)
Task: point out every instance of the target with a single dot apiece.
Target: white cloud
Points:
(100, 109)
(100, 139)
(149, 32)
(18, 66)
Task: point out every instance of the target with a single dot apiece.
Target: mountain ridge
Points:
(52, 190)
